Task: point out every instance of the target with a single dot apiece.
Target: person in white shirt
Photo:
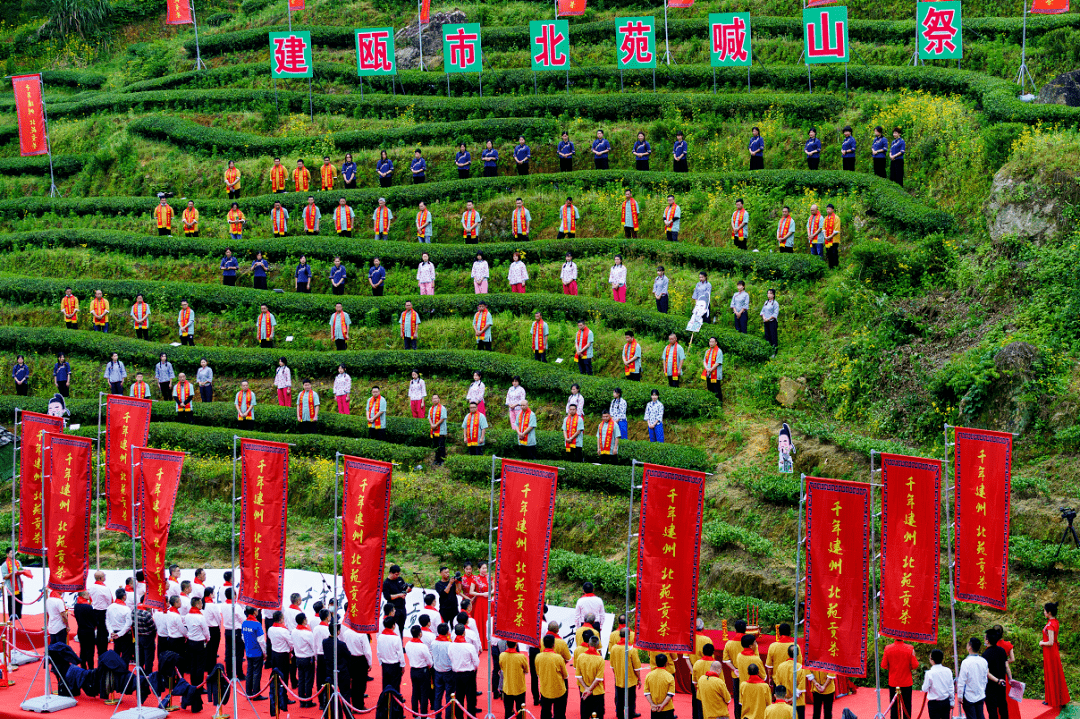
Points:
(391, 654)
(971, 681)
(290, 612)
(212, 612)
(588, 603)
(617, 280)
(118, 624)
(100, 599)
(518, 274)
(174, 583)
(431, 610)
(576, 399)
(198, 634)
(420, 663)
(280, 650)
(938, 685)
(480, 274)
(185, 597)
(232, 620)
(57, 614)
(427, 634)
(304, 648)
(176, 631)
(568, 275)
(464, 661)
(472, 635)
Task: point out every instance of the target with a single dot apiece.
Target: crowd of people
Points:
(442, 646)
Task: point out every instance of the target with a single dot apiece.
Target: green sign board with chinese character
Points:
(290, 54)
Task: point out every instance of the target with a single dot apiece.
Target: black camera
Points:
(1067, 514)
(409, 587)
(457, 575)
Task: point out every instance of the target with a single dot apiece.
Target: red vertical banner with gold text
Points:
(30, 464)
(296, 5)
(669, 545)
(910, 547)
(365, 519)
(67, 527)
(127, 425)
(30, 110)
(264, 512)
(425, 10)
(157, 478)
(526, 508)
(179, 12)
(837, 575)
(983, 483)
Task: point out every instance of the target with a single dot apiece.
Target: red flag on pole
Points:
(295, 5)
(680, 3)
(819, 3)
(365, 519)
(31, 462)
(425, 11)
(127, 425)
(669, 545)
(264, 513)
(526, 508)
(67, 467)
(910, 547)
(837, 571)
(571, 7)
(157, 476)
(179, 13)
(1051, 7)
(30, 109)
(983, 482)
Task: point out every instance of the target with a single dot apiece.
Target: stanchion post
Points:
(198, 56)
(949, 531)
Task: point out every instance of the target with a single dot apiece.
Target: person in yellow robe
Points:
(660, 689)
(713, 692)
(624, 676)
(754, 692)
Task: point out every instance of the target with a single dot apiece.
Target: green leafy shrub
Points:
(721, 535)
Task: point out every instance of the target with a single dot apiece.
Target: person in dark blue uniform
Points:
(338, 276)
(348, 172)
(302, 282)
(490, 156)
(813, 150)
(566, 152)
(259, 269)
(385, 169)
(229, 266)
(463, 160)
(600, 149)
(21, 374)
(896, 155)
(756, 149)
(419, 168)
(522, 153)
(679, 154)
(642, 151)
(847, 150)
(878, 151)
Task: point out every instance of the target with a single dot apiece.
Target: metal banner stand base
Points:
(141, 713)
(47, 704)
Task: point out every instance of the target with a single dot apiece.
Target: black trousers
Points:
(377, 291)
(102, 632)
(466, 692)
(279, 699)
(629, 233)
(553, 708)
(305, 673)
(575, 455)
(600, 163)
(419, 179)
(527, 451)
(387, 181)
(378, 433)
(266, 344)
(973, 710)
(812, 163)
(462, 174)
(60, 636)
(896, 171)
(341, 345)
(695, 708)
(880, 166)
(620, 697)
(566, 164)
(358, 679)
(540, 356)
(483, 346)
(669, 714)
(671, 236)
(997, 702)
(64, 388)
(247, 425)
(585, 365)
(741, 322)
(142, 334)
(593, 704)
(476, 451)
(523, 168)
(633, 377)
(681, 165)
(770, 332)
(116, 387)
(445, 684)
(421, 689)
(188, 340)
(512, 704)
(522, 238)
(832, 255)
(740, 242)
(662, 304)
(439, 443)
(849, 163)
(146, 653)
(259, 283)
(491, 171)
(534, 680)
(304, 287)
(735, 697)
(338, 290)
(206, 393)
(86, 647)
(672, 382)
(938, 708)
(785, 250)
(757, 162)
(324, 674)
(196, 655)
(229, 280)
(716, 387)
(641, 165)
(902, 708)
(212, 647)
(71, 325)
(391, 676)
(234, 641)
(410, 343)
(562, 235)
(823, 703)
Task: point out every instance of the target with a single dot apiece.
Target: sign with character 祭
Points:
(939, 30)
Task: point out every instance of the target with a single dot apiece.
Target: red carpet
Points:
(862, 703)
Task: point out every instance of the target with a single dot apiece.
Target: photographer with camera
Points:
(394, 590)
(448, 588)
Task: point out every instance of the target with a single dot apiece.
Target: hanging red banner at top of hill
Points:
(1050, 7)
(571, 7)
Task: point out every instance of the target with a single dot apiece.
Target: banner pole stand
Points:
(310, 106)
(568, 81)
(419, 34)
(667, 48)
(654, 80)
(847, 92)
(949, 530)
(795, 624)
(361, 88)
(480, 79)
(494, 581)
(235, 571)
(276, 106)
(714, 81)
(873, 579)
(620, 81)
(48, 702)
(139, 711)
(288, 6)
(199, 65)
(97, 482)
(48, 146)
(534, 84)
(809, 81)
(335, 699)
(626, 605)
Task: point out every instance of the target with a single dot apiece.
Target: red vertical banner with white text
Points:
(30, 487)
(910, 547)
(127, 425)
(837, 575)
(30, 110)
(526, 509)
(157, 478)
(669, 545)
(365, 518)
(983, 483)
(263, 516)
(179, 12)
(67, 466)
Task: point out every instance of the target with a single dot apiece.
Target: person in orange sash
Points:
(245, 407)
(185, 320)
(163, 215)
(740, 225)
(307, 409)
(99, 313)
(583, 348)
(139, 388)
(312, 214)
(301, 177)
(474, 430)
(376, 414)
(629, 215)
(1057, 692)
(190, 219)
(672, 219)
(832, 236)
(409, 322)
(265, 326)
(339, 327)
(183, 394)
(631, 357)
(674, 356)
(573, 427)
(236, 222)
(568, 218)
(712, 370)
(520, 221)
(232, 181)
(344, 217)
(327, 173)
(539, 337)
(525, 427)
(785, 231)
(437, 429)
(69, 307)
(279, 220)
(482, 324)
(278, 175)
(607, 439)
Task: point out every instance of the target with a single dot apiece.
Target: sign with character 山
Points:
(290, 54)
(825, 35)
(729, 35)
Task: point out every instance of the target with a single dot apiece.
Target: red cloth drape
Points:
(1052, 7)
(264, 514)
(425, 11)
(526, 508)
(571, 7)
(837, 571)
(179, 12)
(365, 518)
(669, 545)
(983, 483)
(30, 110)
(127, 425)
(67, 515)
(30, 463)
(910, 547)
(157, 478)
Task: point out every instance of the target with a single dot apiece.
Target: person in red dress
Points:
(480, 591)
(1057, 693)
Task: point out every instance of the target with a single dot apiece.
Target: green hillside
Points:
(956, 301)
